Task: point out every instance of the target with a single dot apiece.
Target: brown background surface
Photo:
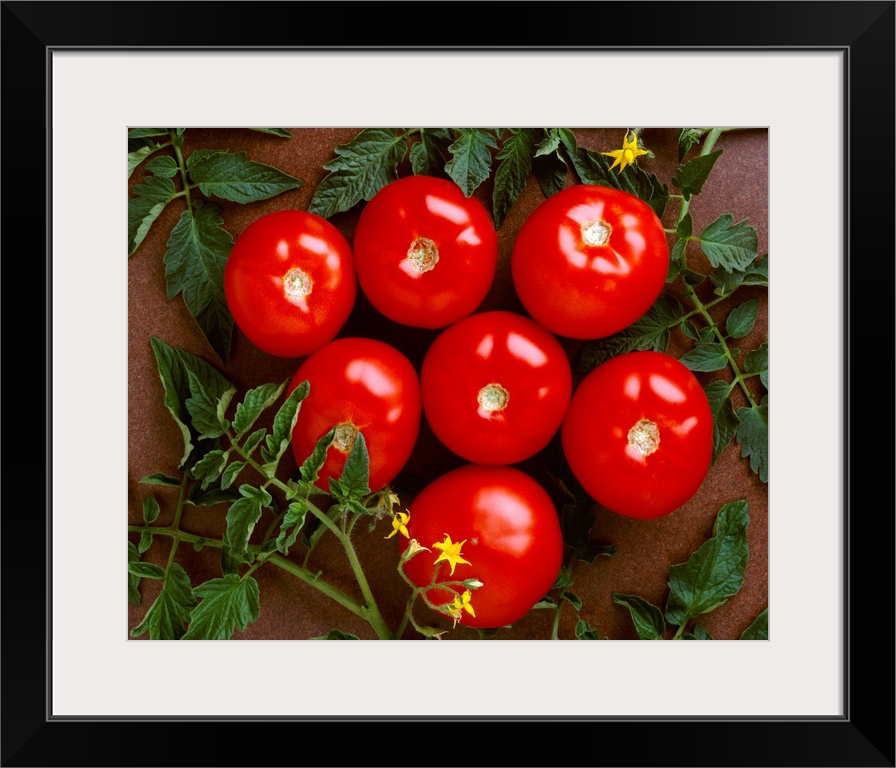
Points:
(291, 609)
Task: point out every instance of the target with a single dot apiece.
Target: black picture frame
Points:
(863, 736)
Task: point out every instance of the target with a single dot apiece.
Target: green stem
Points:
(328, 589)
(177, 516)
(182, 166)
(680, 631)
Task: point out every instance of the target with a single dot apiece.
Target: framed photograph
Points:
(797, 104)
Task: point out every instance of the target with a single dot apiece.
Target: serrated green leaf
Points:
(151, 509)
(361, 169)
(756, 361)
(209, 497)
(227, 604)
(428, 154)
(142, 133)
(685, 227)
(209, 467)
(691, 177)
(254, 403)
(650, 332)
(232, 176)
(724, 419)
(512, 173)
(164, 165)
(133, 578)
(699, 633)
(336, 634)
(550, 172)
(564, 579)
(715, 572)
(471, 160)
(353, 482)
(146, 570)
(687, 138)
(729, 246)
(194, 266)
(647, 618)
(253, 441)
(584, 631)
(311, 467)
(549, 143)
(242, 516)
(151, 198)
(230, 474)
(727, 282)
(159, 478)
(138, 156)
(145, 541)
(758, 630)
(572, 598)
(277, 442)
(292, 525)
(281, 132)
(706, 357)
(207, 408)
(594, 168)
(742, 319)
(752, 434)
(167, 616)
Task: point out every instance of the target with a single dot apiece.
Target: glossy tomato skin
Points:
(365, 384)
(511, 534)
(589, 261)
(290, 282)
(496, 386)
(638, 434)
(426, 255)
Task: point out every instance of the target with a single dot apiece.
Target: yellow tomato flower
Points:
(463, 603)
(388, 500)
(628, 153)
(400, 524)
(450, 552)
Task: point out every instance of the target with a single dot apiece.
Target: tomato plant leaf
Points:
(715, 572)
(752, 434)
(742, 319)
(145, 541)
(691, 176)
(647, 618)
(685, 227)
(650, 332)
(729, 246)
(687, 138)
(550, 172)
(253, 441)
(311, 467)
(151, 198)
(227, 603)
(146, 570)
(164, 165)
(549, 143)
(207, 408)
(242, 516)
(572, 598)
(138, 156)
(209, 467)
(724, 419)
(291, 525)
(471, 160)
(336, 634)
(756, 361)
(167, 616)
(594, 168)
(428, 154)
(142, 133)
(232, 176)
(584, 631)
(202, 497)
(756, 273)
(699, 633)
(514, 166)
(133, 578)
(194, 266)
(352, 484)
(254, 403)
(362, 167)
(160, 478)
(758, 630)
(281, 132)
(275, 444)
(706, 357)
(151, 509)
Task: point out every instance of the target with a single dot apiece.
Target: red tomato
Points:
(638, 434)
(509, 533)
(589, 261)
(495, 387)
(426, 255)
(290, 282)
(359, 385)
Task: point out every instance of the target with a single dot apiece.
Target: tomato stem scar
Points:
(493, 397)
(344, 437)
(644, 437)
(596, 232)
(296, 284)
(423, 254)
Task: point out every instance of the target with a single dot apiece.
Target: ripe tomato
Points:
(509, 532)
(495, 387)
(290, 282)
(589, 261)
(638, 434)
(426, 255)
(359, 385)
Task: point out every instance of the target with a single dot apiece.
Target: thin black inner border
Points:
(496, 50)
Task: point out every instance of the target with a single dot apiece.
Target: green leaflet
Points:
(752, 434)
(227, 604)
(471, 160)
(647, 618)
(169, 613)
(691, 176)
(724, 419)
(514, 166)
(758, 630)
(232, 176)
(729, 246)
